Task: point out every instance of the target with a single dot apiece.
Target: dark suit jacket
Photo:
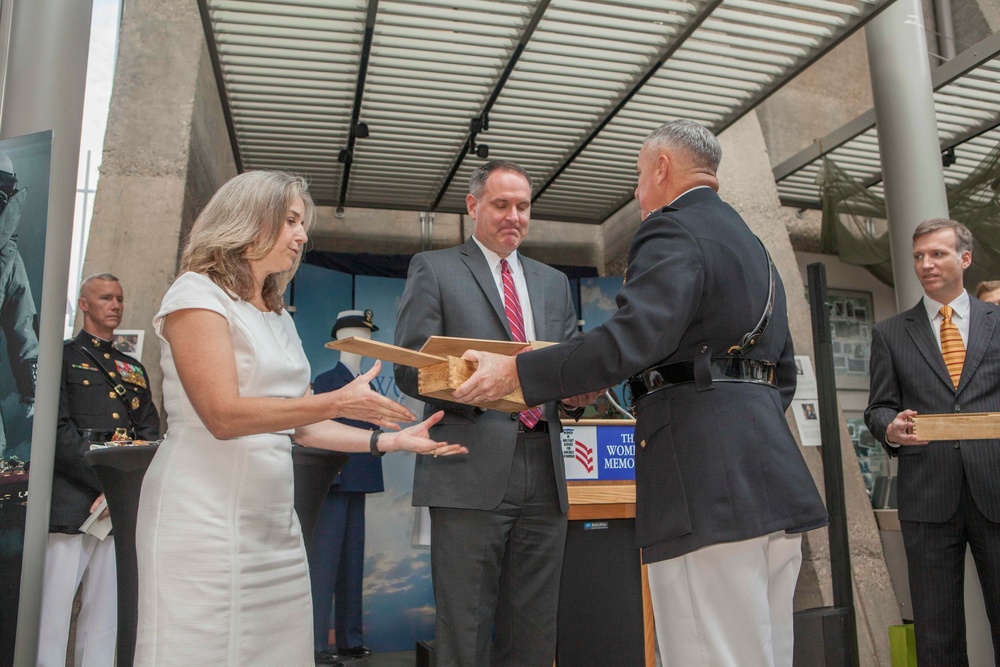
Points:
(716, 462)
(86, 402)
(908, 372)
(452, 293)
(362, 472)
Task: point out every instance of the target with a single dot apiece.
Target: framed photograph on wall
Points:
(129, 341)
(852, 317)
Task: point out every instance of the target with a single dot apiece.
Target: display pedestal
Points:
(120, 471)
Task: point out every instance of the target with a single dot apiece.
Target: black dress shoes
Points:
(355, 652)
(326, 658)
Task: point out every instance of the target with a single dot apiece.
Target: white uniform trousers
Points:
(727, 605)
(69, 561)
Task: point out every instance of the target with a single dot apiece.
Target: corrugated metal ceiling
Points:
(568, 88)
(967, 105)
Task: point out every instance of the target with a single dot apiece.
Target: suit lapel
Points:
(474, 259)
(919, 329)
(536, 292)
(982, 321)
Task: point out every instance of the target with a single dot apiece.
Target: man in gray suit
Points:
(942, 356)
(722, 491)
(498, 516)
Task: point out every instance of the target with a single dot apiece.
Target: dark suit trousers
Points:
(500, 568)
(935, 553)
(336, 569)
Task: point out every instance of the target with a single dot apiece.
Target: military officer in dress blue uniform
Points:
(723, 493)
(103, 392)
(336, 564)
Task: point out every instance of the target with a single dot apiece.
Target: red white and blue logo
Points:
(599, 452)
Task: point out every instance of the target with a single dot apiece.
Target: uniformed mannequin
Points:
(103, 390)
(337, 562)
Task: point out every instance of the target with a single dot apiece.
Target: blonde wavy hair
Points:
(241, 223)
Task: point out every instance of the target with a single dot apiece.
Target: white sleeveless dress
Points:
(223, 579)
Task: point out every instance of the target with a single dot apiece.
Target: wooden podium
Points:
(610, 507)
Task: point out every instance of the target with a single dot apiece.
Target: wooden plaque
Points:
(392, 353)
(440, 368)
(971, 426)
(446, 346)
(439, 380)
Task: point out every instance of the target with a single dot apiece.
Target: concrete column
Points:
(747, 184)
(166, 152)
(45, 80)
(907, 134)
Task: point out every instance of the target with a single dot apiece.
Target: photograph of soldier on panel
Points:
(24, 194)
(18, 311)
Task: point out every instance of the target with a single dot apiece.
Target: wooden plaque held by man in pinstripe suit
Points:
(942, 357)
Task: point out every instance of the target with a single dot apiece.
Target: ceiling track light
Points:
(480, 150)
(948, 157)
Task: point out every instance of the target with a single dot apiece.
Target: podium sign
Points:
(599, 450)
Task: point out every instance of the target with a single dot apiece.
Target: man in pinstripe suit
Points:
(949, 491)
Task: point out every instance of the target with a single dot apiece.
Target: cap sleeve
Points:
(192, 290)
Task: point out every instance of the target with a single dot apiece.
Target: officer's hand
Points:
(495, 377)
(582, 400)
(900, 430)
(100, 499)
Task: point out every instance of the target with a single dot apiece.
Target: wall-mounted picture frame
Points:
(129, 341)
(852, 316)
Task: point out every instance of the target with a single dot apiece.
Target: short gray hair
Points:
(97, 276)
(477, 181)
(690, 136)
(963, 237)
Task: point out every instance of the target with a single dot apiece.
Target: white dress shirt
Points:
(960, 316)
(514, 261)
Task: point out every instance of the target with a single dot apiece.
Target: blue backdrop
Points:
(398, 596)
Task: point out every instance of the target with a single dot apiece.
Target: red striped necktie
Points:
(952, 348)
(512, 306)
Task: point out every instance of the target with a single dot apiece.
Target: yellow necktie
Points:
(952, 347)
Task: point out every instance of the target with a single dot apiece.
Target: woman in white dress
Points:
(223, 578)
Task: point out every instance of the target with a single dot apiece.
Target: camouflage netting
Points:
(848, 208)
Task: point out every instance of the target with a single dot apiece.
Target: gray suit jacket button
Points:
(513, 416)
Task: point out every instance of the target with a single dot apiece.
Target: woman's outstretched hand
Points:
(359, 401)
(415, 439)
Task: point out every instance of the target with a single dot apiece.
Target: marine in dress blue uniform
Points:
(103, 391)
